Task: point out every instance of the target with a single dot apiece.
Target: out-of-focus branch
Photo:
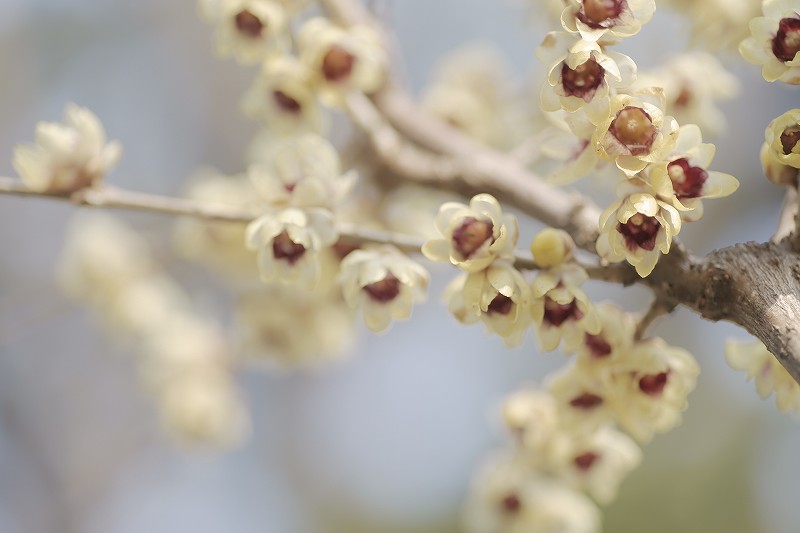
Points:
(658, 308)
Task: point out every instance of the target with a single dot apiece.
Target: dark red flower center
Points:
(286, 102)
(640, 231)
(583, 80)
(500, 304)
(599, 13)
(585, 461)
(597, 345)
(556, 314)
(634, 128)
(786, 42)
(249, 24)
(653, 384)
(586, 401)
(384, 290)
(470, 235)
(337, 64)
(790, 138)
(511, 504)
(285, 248)
(687, 181)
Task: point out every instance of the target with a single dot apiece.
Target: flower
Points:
(607, 21)
(683, 179)
(585, 401)
(570, 142)
(283, 97)
(559, 308)
(775, 41)
(581, 74)
(342, 60)
(507, 497)
(636, 132)
(286, 329)
(474, 235)
(600, 353)
(693, 82)
(599, 463)
(498, 296)
(383, 283)
(532, 417)
(289, 242)
(637, 228)
(67, 157)
(783, 138)
(302, 171)
(776, 171)
(248, 30)
(769, 374)
(653, 388)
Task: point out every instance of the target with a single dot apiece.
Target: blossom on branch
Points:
(383, 283)
(67, 156)
(248, 30)
(783, 138)
(474, 235)
(607, 21)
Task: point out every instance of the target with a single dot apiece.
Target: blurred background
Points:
(386, 441)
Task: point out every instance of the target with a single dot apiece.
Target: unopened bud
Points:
(552, 247)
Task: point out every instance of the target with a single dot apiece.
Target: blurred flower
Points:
(559, 308)
(767, 371)
(607, 21)
(585, 400)
(383, 283)
(248, 30)
(302, 171)
(342, 60)
(474, 235)
(783, 138)
(508, 498)
(283, 97)
(67, 157)
(571, 144)
(498, 296)
(289, 243)
(599, 354)
(532, 417)
(775, 41)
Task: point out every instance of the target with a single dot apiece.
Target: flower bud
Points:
(552, 247)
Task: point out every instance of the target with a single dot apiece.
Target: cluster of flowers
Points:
(328, 63)
(184, 359)
(566, 437)
(665, 166)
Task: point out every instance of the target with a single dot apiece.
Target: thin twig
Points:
(659, 307)
(788, 221)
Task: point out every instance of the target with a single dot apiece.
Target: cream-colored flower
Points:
(683, 177)
(506, 497)
(581, 75)
(716, 24)
(607, 21)
(559, 308)
(498, 296)
(783, 137)
(571, 143)
(342, 60)
(601, 353)
(775, 41)
(286, 329)
(766, 370)
(585, 401)
(67, 156)
(531, 415)
(474, 235)
(776, 171)
(637, 228)
(636, 132)
(653, 388)
(289, 243)
(599, 463)
(383, 283)
(693, 83)
(248, 30)
(302, 171)
(283, 97)
(218, 244)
